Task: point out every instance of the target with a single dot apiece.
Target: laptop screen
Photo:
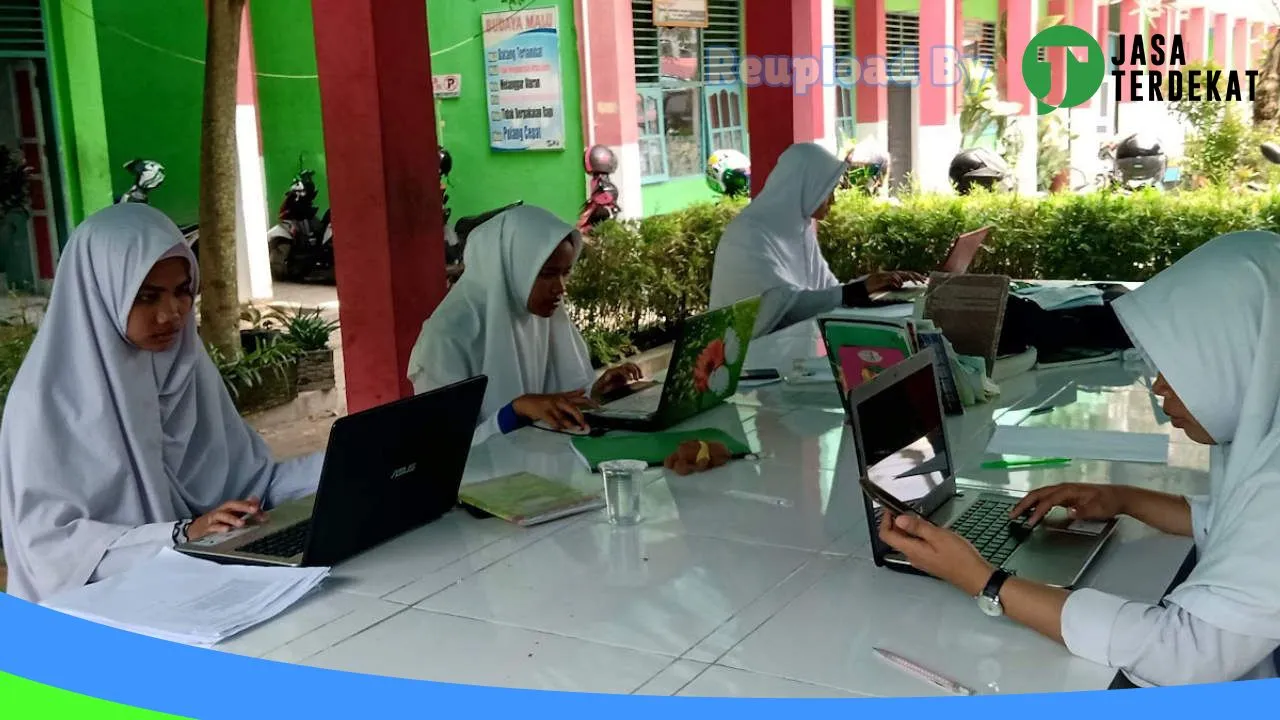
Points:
(964, 250)
(902, 440)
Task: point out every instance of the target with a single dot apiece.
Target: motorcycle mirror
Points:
(1271, 152)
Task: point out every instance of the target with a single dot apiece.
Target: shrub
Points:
(636, 278)
(15, 341)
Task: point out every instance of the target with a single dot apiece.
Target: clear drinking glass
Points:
(622, 490)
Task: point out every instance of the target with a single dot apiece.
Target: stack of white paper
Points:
(187, 600)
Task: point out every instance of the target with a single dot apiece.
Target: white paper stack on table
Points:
(183, 599)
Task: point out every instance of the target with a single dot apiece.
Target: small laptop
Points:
(963, 250)
(705, 366)
(903, 453)
(387, 470)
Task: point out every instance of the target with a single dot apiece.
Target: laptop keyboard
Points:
(283, 544)
(985, 523)
(644, 401)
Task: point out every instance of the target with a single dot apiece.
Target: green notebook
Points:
(652, 448)
(527, 499)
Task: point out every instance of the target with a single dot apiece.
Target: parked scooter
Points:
(1139, 162)
(301, 245)
(1270, 151)
(869, 168)
(148, 175)
(602, 202)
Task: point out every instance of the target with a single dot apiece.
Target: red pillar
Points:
(1194, 36)
(937, 67)
(384, 184)
(1220, 39)
(1102, 26)
(1240, 45)
(870, 41)
(606, 44)
(784, 97)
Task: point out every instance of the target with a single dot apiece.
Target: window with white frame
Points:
(846, 122)
(689, 98)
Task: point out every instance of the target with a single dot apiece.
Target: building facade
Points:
(90, 85)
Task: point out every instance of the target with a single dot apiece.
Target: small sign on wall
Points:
(680, 13)
(447, 86)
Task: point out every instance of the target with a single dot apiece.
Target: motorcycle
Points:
(980, 167)
(602, 202)
(300, 244)
(148, 175)
(1132, 163)
(1270, 151)
(460, 232)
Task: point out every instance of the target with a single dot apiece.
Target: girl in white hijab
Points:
(119, 437)
(771, 248)
(1210, 325)
(505, 319)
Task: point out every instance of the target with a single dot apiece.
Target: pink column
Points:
(609, 80)
(937, 69)
(1259, 42)
(1021, 27)
(1057, 57)
(957, 98)
(1194, 37)
(1083, 16)
(1240, 45)
(1131, 25)
(806, 42)
(1221, 39)
(870, 42)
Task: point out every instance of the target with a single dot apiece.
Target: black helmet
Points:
(601, 159)
(446, 162)
(1139, 145)
(978, 166)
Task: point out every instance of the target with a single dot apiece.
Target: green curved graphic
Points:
(27, 700)
(1083, 78)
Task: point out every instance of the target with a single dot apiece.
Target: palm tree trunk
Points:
(219, 296)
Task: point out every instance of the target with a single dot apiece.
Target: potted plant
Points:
(262, 379)
(262, 330)
(308, 331)
(15, 200)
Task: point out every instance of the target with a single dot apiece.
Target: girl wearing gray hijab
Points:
(118, 437)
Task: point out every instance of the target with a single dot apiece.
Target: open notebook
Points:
(527, 499)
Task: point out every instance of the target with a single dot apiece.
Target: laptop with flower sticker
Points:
(705, 366)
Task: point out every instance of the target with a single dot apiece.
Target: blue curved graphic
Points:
(65, 652)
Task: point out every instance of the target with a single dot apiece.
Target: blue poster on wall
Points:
(522, 71)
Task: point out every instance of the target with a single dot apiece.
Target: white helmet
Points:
(729, 172)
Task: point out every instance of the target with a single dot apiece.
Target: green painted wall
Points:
(288, 97)
(481, 178)
(77, 88)
(150, 53)
(671, 196)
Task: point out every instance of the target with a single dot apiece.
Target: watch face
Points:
(990, 606)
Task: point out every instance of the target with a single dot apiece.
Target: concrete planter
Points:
(315, 371)
(279, 386)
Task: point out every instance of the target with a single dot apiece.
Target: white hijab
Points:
(1211, 325)
(773, 242)
(99, 437)
(484, 327)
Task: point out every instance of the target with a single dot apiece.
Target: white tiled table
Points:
(754, 579)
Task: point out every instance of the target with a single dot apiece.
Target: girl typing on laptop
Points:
(505, 319)
(771, 248)
(1210, 325)
(119, 437)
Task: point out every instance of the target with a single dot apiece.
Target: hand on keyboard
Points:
(883, 281)
(937, 551)
(227, 516)
(560, 411)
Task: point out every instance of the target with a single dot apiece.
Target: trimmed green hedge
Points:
(636, 278)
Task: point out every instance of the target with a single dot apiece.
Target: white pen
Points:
(925, 674)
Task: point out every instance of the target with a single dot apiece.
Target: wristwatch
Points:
(989, 598)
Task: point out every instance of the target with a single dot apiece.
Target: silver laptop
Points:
(902, 449)
(388, 470)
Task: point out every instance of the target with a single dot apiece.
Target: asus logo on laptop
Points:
(401, 472)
